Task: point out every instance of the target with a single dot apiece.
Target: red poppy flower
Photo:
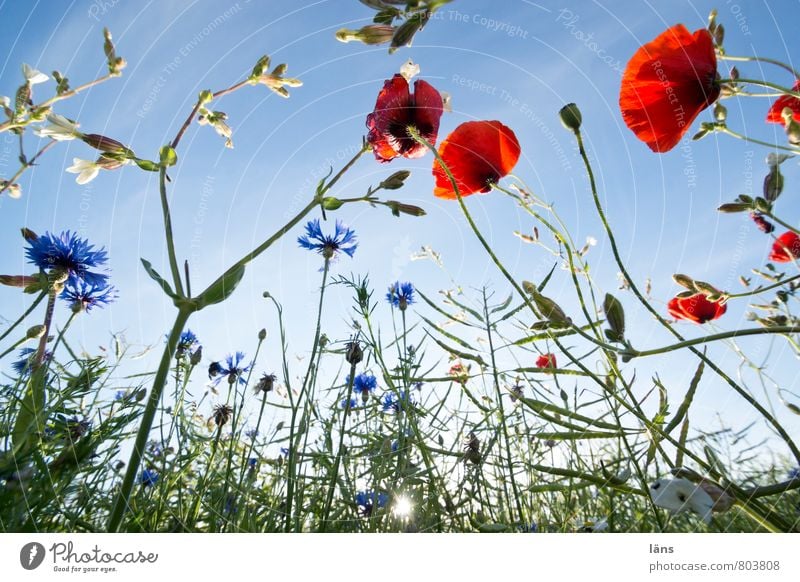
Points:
(546, 361)
(786, 248)
(696, 308)
(793, 103)
(478, 153)
(666, 85)
(395, 110)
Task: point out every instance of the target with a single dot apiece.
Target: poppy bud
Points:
(395, 181)
(615, 315)
(792, 127)
(400, 208)
(707, 289)
(720, 112)
(196, 356)
(550, 310)
(733, 207)
(262, 335)
(571, 116)
(683, 280)
(773, 184)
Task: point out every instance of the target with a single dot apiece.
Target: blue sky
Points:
(515, 61)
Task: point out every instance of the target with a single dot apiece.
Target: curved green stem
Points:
(646, 304)
(173, 261)
(784, 66)
(22, 317)
(743, 137)
(783, 223)
(760, 290)
(709, 338)
(760, 83)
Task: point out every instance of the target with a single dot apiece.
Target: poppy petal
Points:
(478, 154)
(786, 248)
(666, 85)
(696, 308)
(793, 103)
(395, 111)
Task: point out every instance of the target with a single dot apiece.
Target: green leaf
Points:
(687, 400)
(221, 289)
(158, 279)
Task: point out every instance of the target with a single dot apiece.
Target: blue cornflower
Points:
(368, 500)
(328, 246)
(363, 383)
(352, 401)
(148, 478)
(120, 394)
(251, 433)
(794, 473)
(401, 295)
(285, 452)
(187, 341)
(82, 296)
(252, 463)
(233, 369)
(395, 403)
(23, 366)
(532, 527)
(67, 254)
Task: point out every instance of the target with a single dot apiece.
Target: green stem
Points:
(784, 66)
(784, 224)
(173, 261)
(25, 166)
(727, 130)
(121, 501)
(294, 440)
(707, 339)
(760, 290)
(646, 304)
(337, 461)
(22, 317)
(760, 83)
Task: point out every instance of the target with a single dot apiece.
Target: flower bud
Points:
(105, 144)
(262, 335)
(684, 281)
(353, 354)
(35, 332)
(370, 34)
(615, 315)
(400, 208)
(395, 181)
(196, 356)
(720, 112)
(549, 309)
(792, 127)
(331, 203)
(29, 235)
(773, 184)
(733, 207)
(707, 289)
(571, 117)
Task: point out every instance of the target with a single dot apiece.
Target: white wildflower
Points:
(33, 76)
(60, 128)
(678, 495)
